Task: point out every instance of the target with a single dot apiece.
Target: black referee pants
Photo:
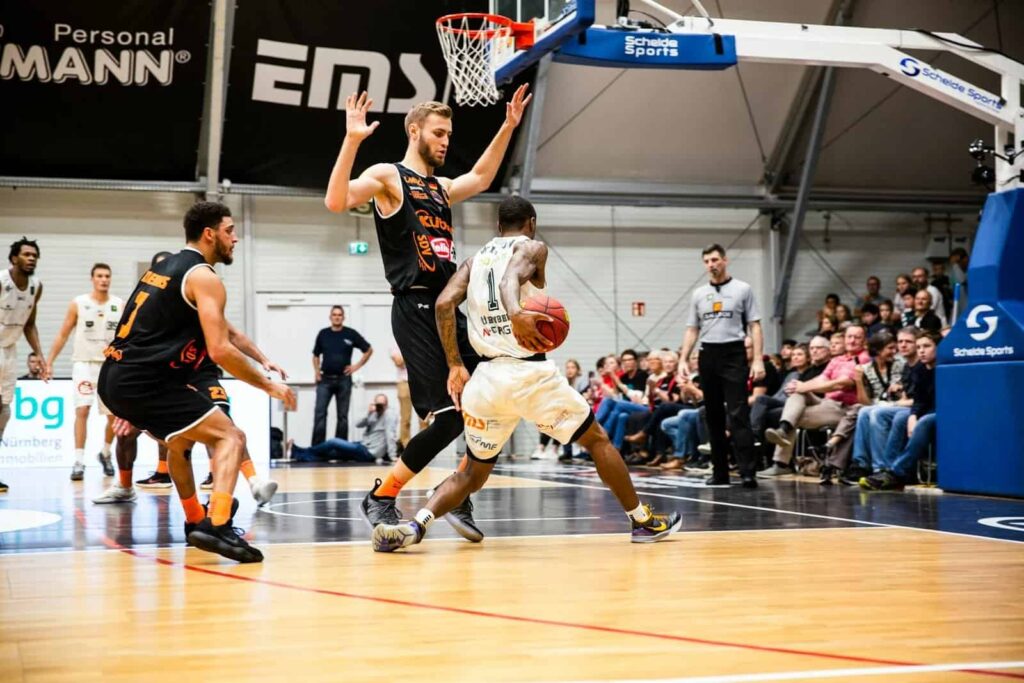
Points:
(723, 377)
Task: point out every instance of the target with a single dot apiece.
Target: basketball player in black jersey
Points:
(412, 210)
(173, 320)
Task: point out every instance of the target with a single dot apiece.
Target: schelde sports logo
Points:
(643, 46)
(913, 68)
(989, 322)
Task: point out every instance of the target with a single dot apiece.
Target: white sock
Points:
(79, 456)
(254, 482)
(641, 514)
(424, 518)
(105, 450)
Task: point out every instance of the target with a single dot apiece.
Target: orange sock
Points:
(220, 508)
(125, 477)
(194, 512)
(161, 467)
(391, 486)
(463, 464)
(248, 469)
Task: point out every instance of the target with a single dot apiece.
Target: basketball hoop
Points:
(474, 45)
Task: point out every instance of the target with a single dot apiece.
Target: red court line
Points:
(110, 543)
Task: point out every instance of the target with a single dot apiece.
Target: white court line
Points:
(818, 674)
(790, 512)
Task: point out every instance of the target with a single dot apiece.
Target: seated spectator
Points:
(836, 344)
(873, 295)
(768, 384)
(665, 401)
(870, 317)
(941, 282)
(827, 326)
(35, 367)
(907, 316)
(902, 286)
(900, 468)
(805, 410)
(630, 385)
(874, 423)
(379, 442)
(843, 317)
(831, 304)
(684, 430)
(602, 385)
(784, 352)
(887, 316)
(874, 383)
(919, 277)
(924, 317)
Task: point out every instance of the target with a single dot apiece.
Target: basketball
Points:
(556, 330)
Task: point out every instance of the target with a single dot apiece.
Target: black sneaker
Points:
(461, 519)
(883, 481)
(3, 487)
(157, 480)
(189, 528)
(108, 467)
(223, 540)
(657, 527)
(207, 484)
(748, 481)
(714, 482)
(379, 509)
(825, 476)
(852, 475)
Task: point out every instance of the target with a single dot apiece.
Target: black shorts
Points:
(160, 403)
(207, 381)
(415, 330)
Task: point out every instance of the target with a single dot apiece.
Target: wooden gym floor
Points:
(789, 582)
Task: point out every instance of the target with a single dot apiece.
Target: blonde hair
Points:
(418, 114)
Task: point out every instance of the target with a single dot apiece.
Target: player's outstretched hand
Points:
(269, 366)
(355, 116)
(457, 378)
(514, 107)
(283, 393)
(524, 329)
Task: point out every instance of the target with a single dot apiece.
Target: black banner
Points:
(293, 63)
(102, 89)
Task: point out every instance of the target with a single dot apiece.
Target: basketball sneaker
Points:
(657, 527)
(157, 480)
(78, 472)
(262, 490)
(461, 519)
(3, 487)
(388, 538)
(223, 540)
(108, 467)
(207, 484)
(116, 494)
(379, 509)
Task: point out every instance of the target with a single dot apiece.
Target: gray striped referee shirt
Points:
(722, 312)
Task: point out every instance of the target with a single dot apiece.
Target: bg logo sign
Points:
(50, 410)
(989, 322)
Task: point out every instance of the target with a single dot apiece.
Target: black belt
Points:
(534, 357)
(323, 376)
(721, 345)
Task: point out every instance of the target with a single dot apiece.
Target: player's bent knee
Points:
(593, 437)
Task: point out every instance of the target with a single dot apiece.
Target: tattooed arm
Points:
(444, 312)
(527, 265)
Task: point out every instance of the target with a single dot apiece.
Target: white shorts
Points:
(85, 375)
(505, 390)
(8, 373)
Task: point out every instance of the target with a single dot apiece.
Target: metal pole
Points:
(532, 134)
(216, 94)
(248, 254)
(806, 180)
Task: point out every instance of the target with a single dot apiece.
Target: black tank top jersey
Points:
(159, 328)
(416, 242)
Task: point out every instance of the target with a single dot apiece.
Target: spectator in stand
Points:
(777, 362)
(831, 304)
(547, 448)
(665, 402)
(871, 318)
(873, 295)
(899, 467)
(919, 276)
(902, 286)
(684, 430)
(874, 423)
(602, 385)
(941, 282)
(958, 262)
(379, 442)
(784, 353)
(836, 344)
(804, 409)
(631, 384)
(907, 316)
(35, 367)
(874, 382)
(843, 317)
(925, 317)
(827, 326)
(887, 316)
(768, 384)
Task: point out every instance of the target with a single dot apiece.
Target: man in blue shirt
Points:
(333, 372)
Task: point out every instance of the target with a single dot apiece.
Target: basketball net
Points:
(473, 46)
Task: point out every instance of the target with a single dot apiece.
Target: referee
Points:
(720, 312)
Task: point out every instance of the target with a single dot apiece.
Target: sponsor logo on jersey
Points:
(473, 422)
(191, 355)
(424, 252)
(432, 222)
(442, 246)
(88, 323)
(413, 180)
(86, 388)
(418, 194)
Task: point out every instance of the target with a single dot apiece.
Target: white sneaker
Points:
(116, 494)
(538, 453)
(550, 451)
(262, 490)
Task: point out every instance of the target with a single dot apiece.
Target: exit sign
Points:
(358, 248)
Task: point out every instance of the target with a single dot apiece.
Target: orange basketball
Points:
(556, 330)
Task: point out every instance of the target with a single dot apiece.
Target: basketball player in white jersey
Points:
(20, 292)
(94, 318)
(514, 380)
